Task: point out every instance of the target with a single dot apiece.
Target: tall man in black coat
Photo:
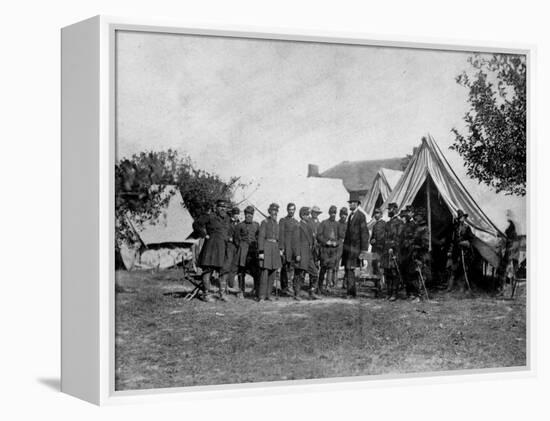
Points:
(356, 243)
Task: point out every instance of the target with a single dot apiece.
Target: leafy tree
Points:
(494, 147)
(140, 183)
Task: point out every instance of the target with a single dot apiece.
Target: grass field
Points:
(165, 341)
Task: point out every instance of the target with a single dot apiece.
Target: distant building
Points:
(357, 176)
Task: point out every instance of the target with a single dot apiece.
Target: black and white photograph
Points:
(291, 210)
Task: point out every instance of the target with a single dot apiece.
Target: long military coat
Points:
(407, 237)
(356, 240)
(461, 233)
(246, 238)
(394, 228)
(378, 237)
(303, 245)
(268, 243)
(213, 252)
(286, 231)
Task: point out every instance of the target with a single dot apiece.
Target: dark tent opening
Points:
(441, 221)
(379, 203)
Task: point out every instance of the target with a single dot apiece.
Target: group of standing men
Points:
(308, 247)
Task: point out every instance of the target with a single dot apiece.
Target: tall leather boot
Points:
(330, 280)
(207, 286)
(223, 287)
(242, 286)
(313, 282)
(297, 284)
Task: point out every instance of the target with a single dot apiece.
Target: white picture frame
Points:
(88, 153)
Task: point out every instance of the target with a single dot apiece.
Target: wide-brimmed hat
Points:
(460, 213)
(273, 206)
(316, 209)
(354, 197)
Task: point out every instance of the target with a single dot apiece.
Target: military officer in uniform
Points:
(229, 269)
(214, 228)
(356, 243)
(406, 266)
(287, 225)
(327, 238)
(315, 223)
(460, 251)
(390, 258)
(377, 240)
(421, 258)
(269, 252)
(303, 245)
(246, 238)
(342, 227)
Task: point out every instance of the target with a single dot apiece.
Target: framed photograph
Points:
(246, 209)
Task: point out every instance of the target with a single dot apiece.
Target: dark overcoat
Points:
(461, 244)
(356, 240)
(378, 237)
(246, 238)
(268, 244)
(328, 233)
(287, 226)
(230, 263)
(303, 244)
(394, 228)
(213, 252)
(406, 241)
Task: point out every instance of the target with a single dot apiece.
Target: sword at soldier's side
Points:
(419, 270)
(401, 283)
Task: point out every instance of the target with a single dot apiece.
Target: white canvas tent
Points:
(163, 242)
(382, 185)
(301, 190)
(430, 181)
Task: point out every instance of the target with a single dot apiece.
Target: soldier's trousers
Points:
(267, 280)
(300, 276)
(409, 278)
(253, 271)
(287, 274)
(392, 280)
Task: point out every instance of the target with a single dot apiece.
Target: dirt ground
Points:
(164, 341)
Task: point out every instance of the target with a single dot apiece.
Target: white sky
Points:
(261, 108)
